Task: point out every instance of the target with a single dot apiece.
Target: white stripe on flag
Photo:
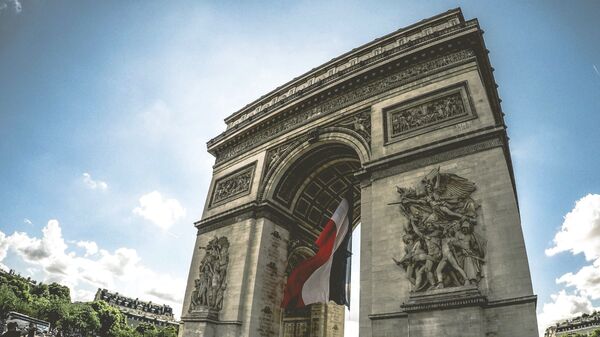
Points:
(316, 287)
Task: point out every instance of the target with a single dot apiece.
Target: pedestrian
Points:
(12, 330)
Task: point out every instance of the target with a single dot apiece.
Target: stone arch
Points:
(291, 152)
(416, 113)
(310, 181)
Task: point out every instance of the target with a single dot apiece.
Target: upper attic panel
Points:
(441, 36)
(350, 62)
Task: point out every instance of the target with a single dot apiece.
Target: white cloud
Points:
(27, 221)
(90, 247)
(82, 295)
(580, 231)
(586, 280)
(15, 4)
(563, 306)
(121, 270)
(94, 184)
(160, 211)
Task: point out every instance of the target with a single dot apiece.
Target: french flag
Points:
(323, 277)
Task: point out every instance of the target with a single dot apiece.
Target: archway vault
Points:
(311, 184)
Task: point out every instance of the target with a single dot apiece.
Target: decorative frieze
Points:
(428, 112)
(383, 48)
(349, 97)
(234, 185)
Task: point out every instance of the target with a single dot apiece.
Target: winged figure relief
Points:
(441, 247)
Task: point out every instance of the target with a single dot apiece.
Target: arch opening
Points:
(311, 189)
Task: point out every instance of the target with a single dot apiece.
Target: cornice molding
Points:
(400, 40)
(251, 210)
(351, 93)
(430, 154)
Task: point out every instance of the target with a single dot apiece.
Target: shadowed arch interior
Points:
(314, 185)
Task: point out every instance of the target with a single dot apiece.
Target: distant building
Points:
(138, 312)
(584, 324)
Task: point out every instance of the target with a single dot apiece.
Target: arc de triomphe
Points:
(412, 123)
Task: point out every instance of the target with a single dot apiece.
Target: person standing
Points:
(31, 330)
(12, 330)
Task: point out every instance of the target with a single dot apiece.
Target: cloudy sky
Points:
(106, 106)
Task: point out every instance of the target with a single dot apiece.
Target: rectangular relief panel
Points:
(233, 185)
(429, 112)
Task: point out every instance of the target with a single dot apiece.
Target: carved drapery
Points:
(211, 283)
(234, 185)
(441, 247)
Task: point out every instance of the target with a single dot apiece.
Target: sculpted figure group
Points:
(428, 113)
(441, 247)
(211, 285)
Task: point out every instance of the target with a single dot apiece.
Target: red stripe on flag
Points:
(292, 296)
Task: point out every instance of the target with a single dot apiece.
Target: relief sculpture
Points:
(234, 185)
(211, 283)
(426, 114)
(441, 247)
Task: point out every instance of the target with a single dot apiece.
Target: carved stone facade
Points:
(212, 277)
(234, 185)
(296, 118)
(417, 109)
(441, 247)
(426, 114)
(392, 45)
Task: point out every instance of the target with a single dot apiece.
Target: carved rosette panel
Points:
(234, 185)
(441, 246)
(211, 283)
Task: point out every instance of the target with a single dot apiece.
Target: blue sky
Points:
(106, 106)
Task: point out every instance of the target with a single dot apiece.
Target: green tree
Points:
(145, 329)
(112, 321)
(80, 318)
(9, 301)
(149, 330)
(51, 309)
(168, 331)
(596, 333)
(20, 288)
(59, 291)
(40, 290)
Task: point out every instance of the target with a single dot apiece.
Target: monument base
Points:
(200, 321)
(205, 322)
(446, 298)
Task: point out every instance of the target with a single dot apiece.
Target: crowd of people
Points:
(13, 330)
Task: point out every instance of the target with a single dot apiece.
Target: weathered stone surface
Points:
(417, 109)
